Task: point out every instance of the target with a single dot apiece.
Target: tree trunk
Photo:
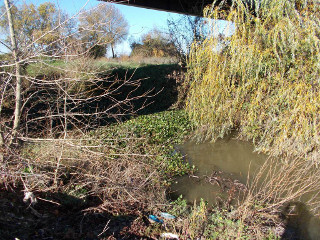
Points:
(112, 49)
(17, 112)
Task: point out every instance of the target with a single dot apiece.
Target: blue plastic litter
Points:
(167, 215)
(155, 219)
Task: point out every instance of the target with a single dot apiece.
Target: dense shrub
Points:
(154, 44)
(265, 82)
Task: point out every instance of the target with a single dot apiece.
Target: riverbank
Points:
(120, 170)
(107, 184)
(100, 178)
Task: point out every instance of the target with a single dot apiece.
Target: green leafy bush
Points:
(155, 135)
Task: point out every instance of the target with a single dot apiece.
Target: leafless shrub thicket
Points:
(278, 183)
(278, 186)
(52, 95)
(59, 102)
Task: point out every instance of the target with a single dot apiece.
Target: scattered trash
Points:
(30, 196)
(169, 236)
(155, 219)
(167, 215)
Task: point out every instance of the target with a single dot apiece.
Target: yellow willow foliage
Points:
(265, 82)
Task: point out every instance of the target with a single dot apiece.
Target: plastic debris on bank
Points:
(169, 236)
(167, 215)
(155, 219)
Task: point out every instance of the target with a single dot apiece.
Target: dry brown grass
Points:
(122, 180)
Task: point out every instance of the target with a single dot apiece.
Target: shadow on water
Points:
(300, 223)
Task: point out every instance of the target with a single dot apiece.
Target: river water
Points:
(228, 159)
(225, 165)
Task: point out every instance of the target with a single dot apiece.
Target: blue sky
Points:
(140, 20)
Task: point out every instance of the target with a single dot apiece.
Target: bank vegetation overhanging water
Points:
(265, 84)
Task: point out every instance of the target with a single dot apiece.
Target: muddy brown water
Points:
(228, 159)
(225, 165)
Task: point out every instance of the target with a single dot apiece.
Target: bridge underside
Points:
(190, 7)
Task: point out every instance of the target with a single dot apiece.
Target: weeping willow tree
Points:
(265, 81)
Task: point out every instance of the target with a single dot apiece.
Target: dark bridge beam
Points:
(191, 7)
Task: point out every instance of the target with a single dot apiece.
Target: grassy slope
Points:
(155, 80)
